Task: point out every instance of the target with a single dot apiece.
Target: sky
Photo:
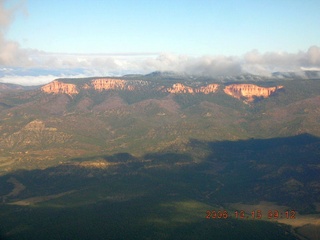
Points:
(42, 39)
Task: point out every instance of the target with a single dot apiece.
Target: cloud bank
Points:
(32, 66)
(35, 67)
(10, 52)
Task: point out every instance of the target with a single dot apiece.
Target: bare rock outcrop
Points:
(35, 125)
(211, 88)
(111, 84)
(250, 91)
(240, 91)
(57, 87)
(180, 88)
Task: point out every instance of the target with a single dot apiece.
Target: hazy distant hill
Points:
(5, 87)
(297, 75)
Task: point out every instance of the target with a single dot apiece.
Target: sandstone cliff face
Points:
(57, 87)
(180, 88)
(249, 91)
(246, 91)
(111, 84)
(104, 84)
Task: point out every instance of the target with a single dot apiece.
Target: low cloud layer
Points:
(35, 67)
(282, 61)
(32, 66)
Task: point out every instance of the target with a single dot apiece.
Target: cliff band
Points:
(246, 91)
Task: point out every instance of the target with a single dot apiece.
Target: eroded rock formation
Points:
(111, 84)
(211, 88)
(57, 87)
(245, 91)
(249, 91)
(180, 88)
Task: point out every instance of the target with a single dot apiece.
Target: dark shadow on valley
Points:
(124, 197)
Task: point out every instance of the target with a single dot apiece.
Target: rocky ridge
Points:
(180, 88)
(111, 84)
(249, 91)
(245, 91)
(58, 87)
(33, 134)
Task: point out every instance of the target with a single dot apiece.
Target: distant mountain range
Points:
(168, 75)
(5, 87)
(297, 75)
(305, 74)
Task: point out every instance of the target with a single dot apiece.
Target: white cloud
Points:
(48, 66)
(35, 80)
(214, 66)
(6, 16)
(10, 52)
(31, 66)
(313, 56)
(281, 61)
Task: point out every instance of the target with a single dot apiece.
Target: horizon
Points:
(43, 41)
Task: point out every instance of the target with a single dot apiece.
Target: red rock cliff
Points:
(57, 87)
(249, 91)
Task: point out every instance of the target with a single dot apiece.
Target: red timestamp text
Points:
(255, 214)
(275, 214)
(219, 214)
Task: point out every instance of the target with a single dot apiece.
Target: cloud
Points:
(313, 57)
(33, 80)
(32, 66)
(270, 62)
(214, 66)
(42, 66)
(10, 52)
(12, 55)
(205, 65)
(5, 16)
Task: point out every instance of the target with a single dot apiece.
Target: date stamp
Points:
(255, 214)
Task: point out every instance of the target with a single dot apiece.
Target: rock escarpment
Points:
(240, 91)
(111, 84)
(100, 84)
(58, 87)
(250, 91)
(211, 88)
(105, 84)
(180, 88)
